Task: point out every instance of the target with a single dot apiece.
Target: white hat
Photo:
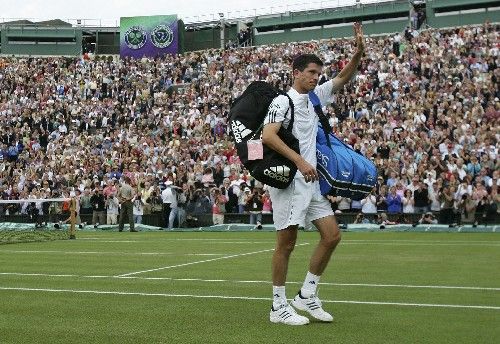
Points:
(248, 190)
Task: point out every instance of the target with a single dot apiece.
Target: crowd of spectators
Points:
(426, 114)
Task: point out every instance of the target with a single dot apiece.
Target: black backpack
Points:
(246, 119)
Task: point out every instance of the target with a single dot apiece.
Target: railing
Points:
(230, 15)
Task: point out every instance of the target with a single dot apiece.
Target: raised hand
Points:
(358, 35)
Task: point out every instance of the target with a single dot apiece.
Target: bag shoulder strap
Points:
(292, 118)
(325, 124)
(292, 110)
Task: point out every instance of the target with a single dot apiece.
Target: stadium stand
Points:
(424, 106)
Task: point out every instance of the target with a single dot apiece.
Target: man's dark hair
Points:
(302, 61)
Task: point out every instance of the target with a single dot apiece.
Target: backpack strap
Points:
(292, 111)
(292, 118)
(325, 124)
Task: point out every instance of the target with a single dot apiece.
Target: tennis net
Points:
(34, 220)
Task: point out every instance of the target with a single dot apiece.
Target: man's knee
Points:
(286, 244)
(332, 240)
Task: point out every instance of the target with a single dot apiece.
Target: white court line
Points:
(425, 241)
(216, 242)
(114, 253)
(419, 244)
(493, 243)
(369, 285)
(343, 240)
(200, 261)
(125, 241)
(246, 298)
(187, 239)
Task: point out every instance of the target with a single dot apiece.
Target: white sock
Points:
(279, 296)
(310, 285)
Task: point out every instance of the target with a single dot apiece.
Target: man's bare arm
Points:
(350, 69)
(271, 139)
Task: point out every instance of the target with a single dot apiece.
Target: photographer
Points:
(138, 209)
(98, 204)
(182, 199)
(155, 200)
(199, 203)
(428, 219)
(361, 218)
(113, 207)
(253, 205)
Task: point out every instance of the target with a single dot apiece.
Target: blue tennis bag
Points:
(342, 171)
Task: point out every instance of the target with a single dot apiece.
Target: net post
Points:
(72, 218)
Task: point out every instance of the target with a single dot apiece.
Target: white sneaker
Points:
(312, 305)
(287, 315)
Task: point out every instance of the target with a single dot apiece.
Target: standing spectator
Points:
(138, 209)
(98, 207)
(110, 188)
(182, 199)
(394, 202)
(233, 193)
(85, 204)
(112, 209)
(356, 206)
(254, 207)
(125, 195)
(408, 204)
(434, 197)
(344, 204)
(382, 199)
(218, 207)
(447, 215)
(267, 206)
(169, 197)
(467, 209)
(242, 198)
(421, 197)
(369, 206)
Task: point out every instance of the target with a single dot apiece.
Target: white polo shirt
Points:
(305, 125)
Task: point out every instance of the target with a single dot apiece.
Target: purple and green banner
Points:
(148, 36)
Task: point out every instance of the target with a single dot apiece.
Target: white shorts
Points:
(299, 204)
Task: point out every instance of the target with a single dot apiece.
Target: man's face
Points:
(307, 79)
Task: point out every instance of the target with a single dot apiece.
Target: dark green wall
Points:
(41, 40)
(326, 33)
(207, 38)
(108, 43)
